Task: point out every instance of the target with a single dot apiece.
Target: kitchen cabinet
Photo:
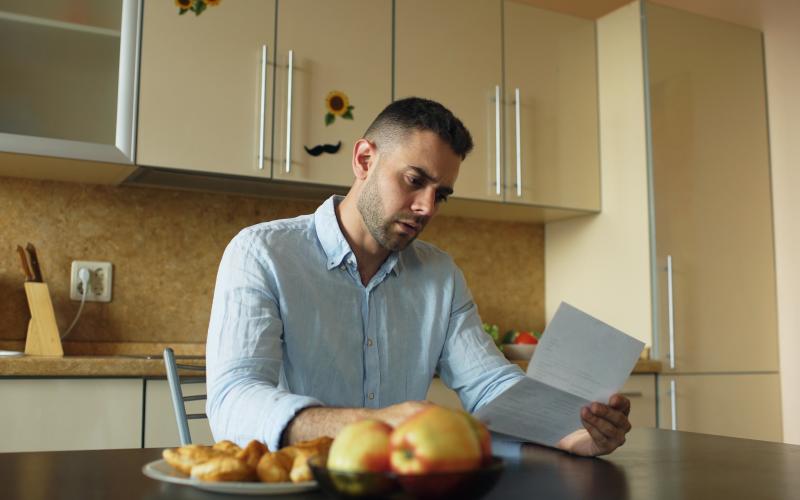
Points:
(552, 156)
(712, 199)
(70, 414)
(73, 90)
(458, 63)
(206, 88)
(739, 405)
(255, 102)
(330, 56)
(685, 141)
(160, 428)
(542, 150)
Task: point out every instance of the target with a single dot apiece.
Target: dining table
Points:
(652, 464)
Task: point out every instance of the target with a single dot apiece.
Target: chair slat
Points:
(197, 397)
(195, 416)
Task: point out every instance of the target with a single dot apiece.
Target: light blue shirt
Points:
(292, 326)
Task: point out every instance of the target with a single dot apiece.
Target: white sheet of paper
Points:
(580, 359)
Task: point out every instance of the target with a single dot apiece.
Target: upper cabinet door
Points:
(206, 94)
(334, 76)
(551, 114)
(68, 84)
(453, 55)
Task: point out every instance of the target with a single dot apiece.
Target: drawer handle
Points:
(262, 107)
(289, 113)
(497, 145)
(633, 394)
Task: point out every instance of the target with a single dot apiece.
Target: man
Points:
(328, 318)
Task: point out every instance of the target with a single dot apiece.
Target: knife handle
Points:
(37, 271)
(23, 259)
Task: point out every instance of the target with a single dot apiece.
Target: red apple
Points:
(362, 446)
(438, 439)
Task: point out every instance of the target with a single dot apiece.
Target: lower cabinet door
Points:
(640, 389)
(160, 425)
(442, 395)
(70, 414)
(735, 405)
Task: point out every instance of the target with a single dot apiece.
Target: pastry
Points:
(252, 453)
(223, 468)
(274, 467)
(186, 457)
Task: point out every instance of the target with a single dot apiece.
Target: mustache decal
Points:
(323, 148)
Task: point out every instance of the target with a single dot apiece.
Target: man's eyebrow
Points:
(424, 173)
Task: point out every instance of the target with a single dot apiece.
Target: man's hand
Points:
(396, 414)
(604, 430)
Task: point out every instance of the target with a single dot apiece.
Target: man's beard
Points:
(371, 209)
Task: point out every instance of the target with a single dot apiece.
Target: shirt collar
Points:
(333, 241)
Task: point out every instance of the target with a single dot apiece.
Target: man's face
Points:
(405, 187)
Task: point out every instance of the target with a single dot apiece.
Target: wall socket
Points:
(100, 274)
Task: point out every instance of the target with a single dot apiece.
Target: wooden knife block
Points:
(43, 338)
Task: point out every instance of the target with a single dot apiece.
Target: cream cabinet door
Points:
(70, 414)
(457, 62)
(160, 426)
(640, 389)
(329, 53)
(745, 406)
(205, 96)
(552, 156)
(442, 395)
(711, 183)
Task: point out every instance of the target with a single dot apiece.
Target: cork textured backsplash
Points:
(166, 245)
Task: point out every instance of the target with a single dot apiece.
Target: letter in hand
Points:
(605, 427)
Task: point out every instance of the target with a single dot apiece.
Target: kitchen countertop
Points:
(129, 359)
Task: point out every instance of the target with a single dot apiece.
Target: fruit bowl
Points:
(472, 484)
(519, 351)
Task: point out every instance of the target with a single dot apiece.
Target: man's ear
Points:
(363, 158)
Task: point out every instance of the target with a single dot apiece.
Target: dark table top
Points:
(653, 464)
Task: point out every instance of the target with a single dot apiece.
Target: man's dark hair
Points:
(415, 113)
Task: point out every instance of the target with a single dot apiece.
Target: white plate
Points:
(162, 471)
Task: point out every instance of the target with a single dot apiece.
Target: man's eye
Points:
(441, 198)
(415, 181)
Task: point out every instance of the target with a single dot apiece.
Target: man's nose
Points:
(425, 202)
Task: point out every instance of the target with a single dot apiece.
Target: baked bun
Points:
(186, 457)
(223, 468)
(227, 447)
(274, 467)
(252, 453)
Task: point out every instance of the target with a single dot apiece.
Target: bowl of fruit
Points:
(515, 344)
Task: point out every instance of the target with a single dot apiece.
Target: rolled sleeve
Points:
(244, 352)
(470, 363)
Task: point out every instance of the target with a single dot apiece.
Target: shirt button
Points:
(369, 342)
(371, 395)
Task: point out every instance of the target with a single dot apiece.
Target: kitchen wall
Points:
(166, 245)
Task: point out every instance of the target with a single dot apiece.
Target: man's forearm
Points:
(314, 422)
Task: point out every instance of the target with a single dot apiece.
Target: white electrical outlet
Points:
(100, 274)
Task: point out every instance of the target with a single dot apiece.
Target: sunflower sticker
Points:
(196, 6)
(338, 104)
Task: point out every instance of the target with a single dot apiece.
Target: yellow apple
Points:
(439, 439)
(362, 446)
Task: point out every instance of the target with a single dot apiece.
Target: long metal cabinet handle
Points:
(289, 115)
(519, 146)
(497, 139)
(673, 399)
(633, 394)
(670, 313)
(262, 107)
